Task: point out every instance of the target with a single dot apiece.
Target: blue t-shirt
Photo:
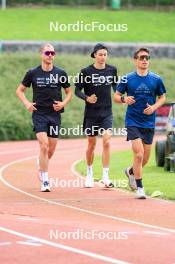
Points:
(144, 89)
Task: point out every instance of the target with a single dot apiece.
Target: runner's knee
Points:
(139, 156)
(91, 144)
(145, 160)
(51, 152)
(44, 147)
(106, 143)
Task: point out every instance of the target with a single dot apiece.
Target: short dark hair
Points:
(97, 47)
(139, 50)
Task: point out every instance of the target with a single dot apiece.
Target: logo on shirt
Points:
(142, 89)
(50, 80)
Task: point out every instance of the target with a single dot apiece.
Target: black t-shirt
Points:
(98, 82)
(46, 87)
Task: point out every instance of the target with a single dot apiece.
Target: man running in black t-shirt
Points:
(47, 81)
(96, 80)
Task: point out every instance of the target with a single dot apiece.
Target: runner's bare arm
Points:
(152, 108)
(59, 105)
(119, 98)
(20, 92)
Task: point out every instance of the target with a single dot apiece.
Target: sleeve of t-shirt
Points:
(115, 80)
(122, 86)
(65, 80)
(79, 85)
(27, 79)
(160, 87)
(80, 81)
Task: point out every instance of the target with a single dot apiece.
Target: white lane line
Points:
(67, 248)
(27, 219)
(5, 243)
(29, 243)
(124, 220)
(156, 233)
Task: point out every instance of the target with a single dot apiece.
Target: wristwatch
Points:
(122, 99)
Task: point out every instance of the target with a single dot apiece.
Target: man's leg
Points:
(106, 149)
(44, 147)
(138, 152)
(146, 156)
(106, 158)
(43, 160)
(90, 150)
(147, 152)
(52, 146)
(89, 159)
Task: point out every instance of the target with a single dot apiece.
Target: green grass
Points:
(15, 121)
(155, 178)
(33, 24)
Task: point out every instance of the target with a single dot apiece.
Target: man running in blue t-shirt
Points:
(142, 87)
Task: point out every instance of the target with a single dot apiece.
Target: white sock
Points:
(105, 173)
(44, 176)
(89, 171)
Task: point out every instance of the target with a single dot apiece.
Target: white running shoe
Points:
(45, 187)
(140, 194)
(107, 182)
(89, 183)
(131, 179)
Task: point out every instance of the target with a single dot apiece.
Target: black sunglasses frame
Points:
(47, 53)
(142, 57)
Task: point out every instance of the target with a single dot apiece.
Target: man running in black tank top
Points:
(47, 81)
(97, 80)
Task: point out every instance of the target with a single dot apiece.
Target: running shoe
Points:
(140, 194)
(45, 187)
(131, 179)
(89, 183)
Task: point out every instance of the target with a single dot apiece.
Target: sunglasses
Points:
(47, 53)
(142, 57)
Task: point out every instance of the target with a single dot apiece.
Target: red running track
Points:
(72, 225)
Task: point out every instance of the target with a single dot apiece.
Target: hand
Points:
(149, 110)
(57, 106)
(129, 100)
(30, 107)
(92, 99)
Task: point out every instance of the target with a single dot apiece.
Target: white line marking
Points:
(156, 233)
(5, 243)
(29, 243)
(125, 220)
(27, 219)
(67, 248)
